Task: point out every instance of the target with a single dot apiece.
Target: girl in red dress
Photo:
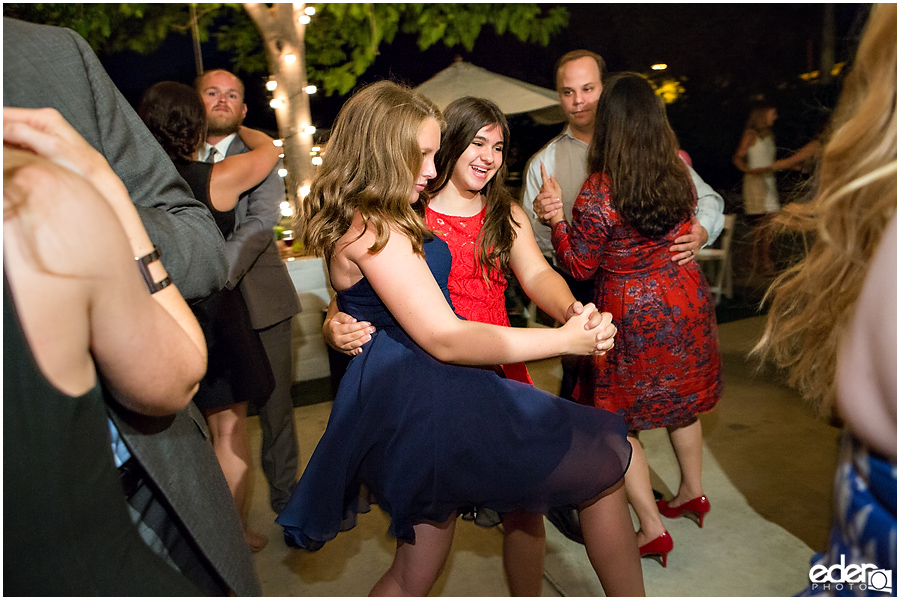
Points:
(666, 365)
(427, 437)
(468, 206)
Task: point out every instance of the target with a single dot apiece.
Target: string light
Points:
(304, 191)
(311, 89)
(310, 10)
(660, 67)
(304, 19)
(278, 143)
(286, 210)
(317, 160)
(316, 149)
(309, 129)
(282, 172)
(271, 85)
(276, 103)
(289, 58)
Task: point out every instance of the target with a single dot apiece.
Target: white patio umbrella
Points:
(511, 95)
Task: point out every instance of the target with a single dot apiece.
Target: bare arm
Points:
(149, 350)
(789, 162)
(739, 159)
(867, 363)
(538, 279)
(238, 173)
(545, 286)
(405, 284)
(343, 332)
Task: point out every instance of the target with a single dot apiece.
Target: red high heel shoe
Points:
(659, 547)
(694, 509)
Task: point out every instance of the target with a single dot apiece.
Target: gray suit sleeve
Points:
(192, 246)
(258, 216)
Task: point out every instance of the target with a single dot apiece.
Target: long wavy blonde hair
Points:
(370, 166)
(856, 197)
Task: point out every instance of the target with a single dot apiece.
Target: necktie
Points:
(212, 153)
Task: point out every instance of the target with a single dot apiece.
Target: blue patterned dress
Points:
(864, 529)
(665, 367)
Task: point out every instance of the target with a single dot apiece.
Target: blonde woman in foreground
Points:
(833, 319)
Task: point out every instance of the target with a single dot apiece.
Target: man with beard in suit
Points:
(255, 267)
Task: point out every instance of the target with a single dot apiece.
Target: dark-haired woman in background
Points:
(239, 371)
(665, 368)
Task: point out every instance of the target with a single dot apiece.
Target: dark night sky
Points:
(725, 52)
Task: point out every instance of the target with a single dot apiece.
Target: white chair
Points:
(716, 262)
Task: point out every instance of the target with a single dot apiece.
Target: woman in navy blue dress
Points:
(423, 437)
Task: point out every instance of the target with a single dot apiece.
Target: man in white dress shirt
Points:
(579, 82)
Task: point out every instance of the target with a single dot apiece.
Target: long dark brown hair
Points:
(635, 147)
(465, 117)
(175, 115)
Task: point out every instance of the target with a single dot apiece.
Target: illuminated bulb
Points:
(317, 160)
(659, 67)
(304, 19)
(309, 129)
(304, 191)
(310, 89)
(276, 103)
(281, 155)
(310, 10)
(282, 172)
(289, 58)
(278, 143)
(286, 210)
(271, 85)
(316, 149)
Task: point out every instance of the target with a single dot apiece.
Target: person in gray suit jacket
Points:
(256, 268)
(176, 492)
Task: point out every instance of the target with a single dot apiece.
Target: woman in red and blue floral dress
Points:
(666, 367)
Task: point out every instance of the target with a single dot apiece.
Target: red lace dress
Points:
(473, 298)
(665, 367)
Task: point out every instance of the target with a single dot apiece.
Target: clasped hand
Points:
(597, 333)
